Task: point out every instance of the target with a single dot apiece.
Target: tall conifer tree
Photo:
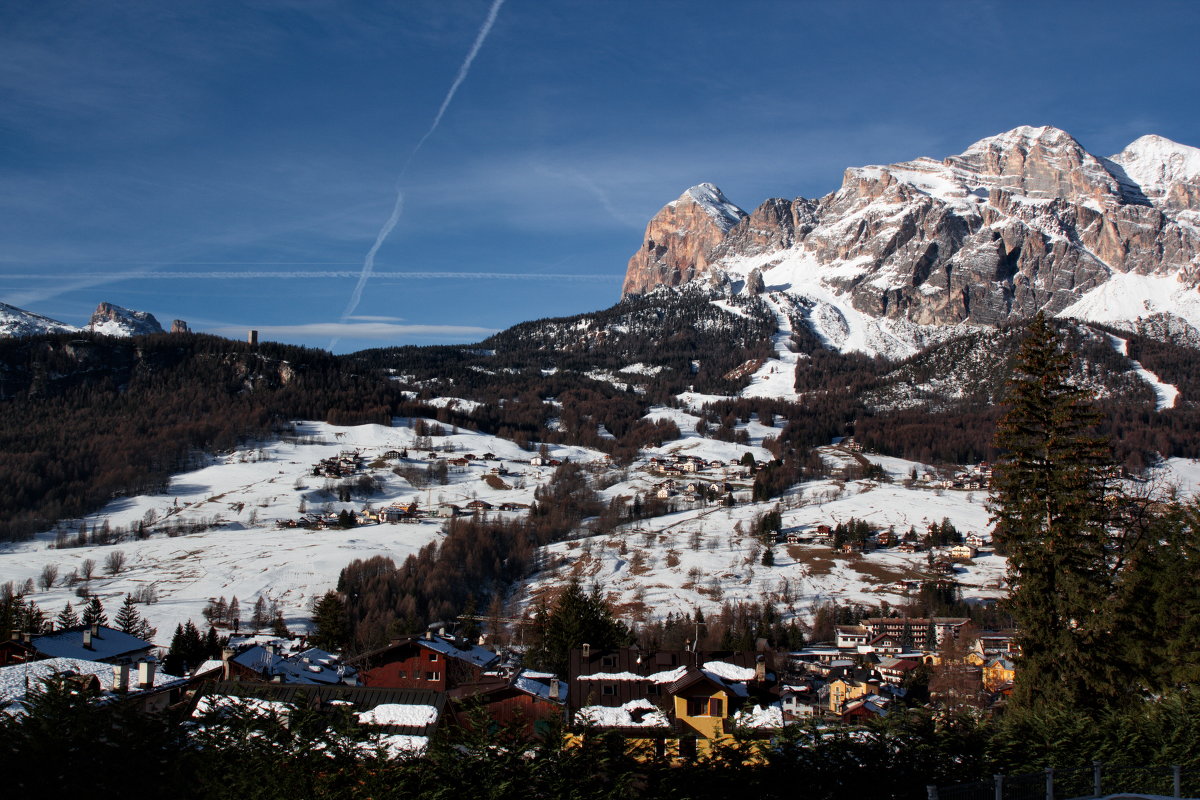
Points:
(1048, 491)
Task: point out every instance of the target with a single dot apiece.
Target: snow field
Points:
(705, 556)
(244, 553)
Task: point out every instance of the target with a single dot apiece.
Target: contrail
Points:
(369, 262)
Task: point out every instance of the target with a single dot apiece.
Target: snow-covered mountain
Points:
(112, 320)
(906, 253)
(18, 322)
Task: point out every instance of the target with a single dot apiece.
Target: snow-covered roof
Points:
(413, 716)
(666, 676)
(480, 656)
(538, 685)
(313, 666)
(729, 672)
(108, 643)
(754, 716)
(638, 713)
(225, 705)
(17, 680)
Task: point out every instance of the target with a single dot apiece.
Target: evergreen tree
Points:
(188, 650)
(93, 613)
(129, 620)
(212, 643)
(1049, 488)
(67, 618)
(575, 619)
(259, 618)
(332, 623)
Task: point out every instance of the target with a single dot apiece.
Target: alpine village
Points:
(881, 494)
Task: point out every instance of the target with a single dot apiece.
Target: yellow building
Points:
(997, 672)
(846, 690)
(694, 716)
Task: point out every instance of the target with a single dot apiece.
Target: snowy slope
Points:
(244, 554)
(705, 556)
(18, 322)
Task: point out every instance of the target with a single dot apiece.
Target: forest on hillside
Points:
(88, 418)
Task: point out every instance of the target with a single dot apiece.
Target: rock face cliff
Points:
(113, 320)
(680, 238)
(1020, 222)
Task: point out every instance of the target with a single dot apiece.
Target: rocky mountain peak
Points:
(1039, 163)
(1024, 221)
(714, 203)
(113, 320)
(1168, 173)
(680, 238)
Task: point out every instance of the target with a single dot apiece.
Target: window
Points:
(401, 673)
(433, 676)
(608, 689)
(433, 656)
(608, 661)
(652, 688)
(705, 706)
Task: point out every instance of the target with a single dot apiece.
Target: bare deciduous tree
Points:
(115, 562)
(48, 577)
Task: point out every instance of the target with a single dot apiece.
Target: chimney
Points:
(120, 677)
(554, 688)
(587, 650)
(146, 674)
(252, 338)
(429, 636)
(96, 629)
(87, 638)
(483, 640)
(760, 669)
(442, 632)
(28, 637)
(226, 655)
(16, 636)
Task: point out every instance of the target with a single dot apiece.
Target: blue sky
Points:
(231, 163)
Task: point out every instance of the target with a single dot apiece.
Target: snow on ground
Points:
(1128, 296)
(776, 377)
(692, 443)
(830, 312)
(241, 495)
(702, 556)
(1166, 394)
(1182, 474)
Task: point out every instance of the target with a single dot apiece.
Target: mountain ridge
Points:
(1020, 222)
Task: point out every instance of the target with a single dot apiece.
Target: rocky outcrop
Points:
(680, 239)
(179, 326)
(1020, 222)
(112, 320)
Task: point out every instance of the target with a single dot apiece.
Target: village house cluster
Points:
(675, 704)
